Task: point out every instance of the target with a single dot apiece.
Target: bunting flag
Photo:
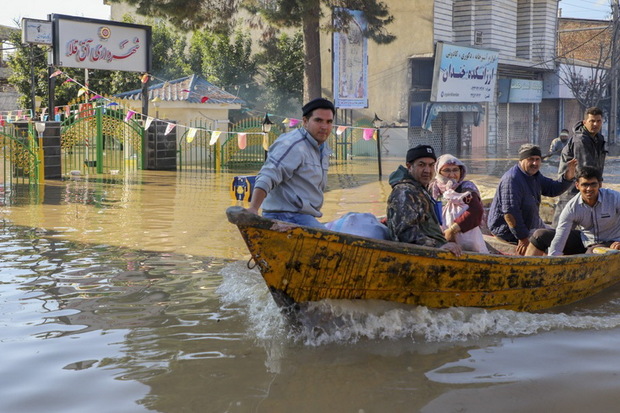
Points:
(112, 104)
(82, 91)
(96, 97)
(293, 123)
(56, 73)
(67, 81)
(242, 140)
(374, 135)
(285, 121)
(144, 78)
(340, 130)
(368, 132)
(169, 128)
(149, 120)
(2, 122)
(204, 99)
(129, 115)
(266, 141)
(215, 135)
(191, 134)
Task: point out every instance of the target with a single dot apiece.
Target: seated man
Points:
(594, 212)
(412, 214)
(514, 213)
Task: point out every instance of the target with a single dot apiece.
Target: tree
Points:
(584, 60)
(224, 60)
(283, 62)
(308, 15)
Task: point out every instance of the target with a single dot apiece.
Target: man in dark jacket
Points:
(514, 213)
(412, 214)
(588, 147)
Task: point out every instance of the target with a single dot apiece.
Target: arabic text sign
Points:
(464, 74)
(101, 44)
(36, 31)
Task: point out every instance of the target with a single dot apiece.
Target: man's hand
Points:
(453, 247)
(615, 245)
(571, 166)
(522, 246)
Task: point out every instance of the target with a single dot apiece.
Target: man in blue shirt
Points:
(514, 212)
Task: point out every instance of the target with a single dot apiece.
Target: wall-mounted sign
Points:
(36, 31)
(464, 74)
(520, 91)
(101, 44)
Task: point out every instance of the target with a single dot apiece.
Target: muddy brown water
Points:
(131, 294)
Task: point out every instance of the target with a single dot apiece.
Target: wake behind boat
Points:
(302, 264)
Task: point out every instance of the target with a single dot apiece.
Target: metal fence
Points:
(97, 138)
(21, 154)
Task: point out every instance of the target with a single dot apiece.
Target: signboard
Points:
(520, 91)
(350, 62)
(100, 44)
(36, 31)
(464, 74)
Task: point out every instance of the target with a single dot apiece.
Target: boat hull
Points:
(301, 264)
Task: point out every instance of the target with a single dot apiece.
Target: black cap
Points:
(318, 103)
(420, 151)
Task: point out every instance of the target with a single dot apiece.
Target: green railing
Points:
(193, 147)
(253, 155)
(96, 138)
(20, 169)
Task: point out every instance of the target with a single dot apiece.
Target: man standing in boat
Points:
(514, 213)
(290, 185)
(412, 213)
(588, 147)
(594, 212)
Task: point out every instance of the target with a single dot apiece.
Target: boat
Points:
(302, 264)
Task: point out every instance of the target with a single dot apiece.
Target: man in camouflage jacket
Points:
(412, 214)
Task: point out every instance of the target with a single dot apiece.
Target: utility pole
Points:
(613, 115)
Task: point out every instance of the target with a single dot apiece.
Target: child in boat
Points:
(462, 208)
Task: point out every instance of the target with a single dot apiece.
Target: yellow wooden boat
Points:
(302, 264)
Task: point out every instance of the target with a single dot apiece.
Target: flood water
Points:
(132, 294)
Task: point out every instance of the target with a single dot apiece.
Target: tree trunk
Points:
(312, 49)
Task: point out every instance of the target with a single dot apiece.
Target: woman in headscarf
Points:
(462, 208)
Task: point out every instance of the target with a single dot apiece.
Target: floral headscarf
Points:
(439, 184)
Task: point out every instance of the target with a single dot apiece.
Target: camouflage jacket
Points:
(411, 215)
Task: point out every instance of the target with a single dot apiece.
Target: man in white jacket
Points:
(290, 185)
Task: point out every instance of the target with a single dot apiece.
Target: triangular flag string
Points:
(368, 133)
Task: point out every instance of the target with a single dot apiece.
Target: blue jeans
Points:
(295, 218)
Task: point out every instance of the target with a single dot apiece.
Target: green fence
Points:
(20, 169)
(193, 147)
(97, 138)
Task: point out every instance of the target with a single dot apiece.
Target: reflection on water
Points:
(133, 295)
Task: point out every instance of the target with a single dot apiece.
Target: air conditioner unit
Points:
(478, 37)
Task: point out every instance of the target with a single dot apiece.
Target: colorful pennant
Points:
(169, 128)
(242, 140)
(215, 135)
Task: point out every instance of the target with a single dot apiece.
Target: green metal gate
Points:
(19, 151)
(99, 138)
